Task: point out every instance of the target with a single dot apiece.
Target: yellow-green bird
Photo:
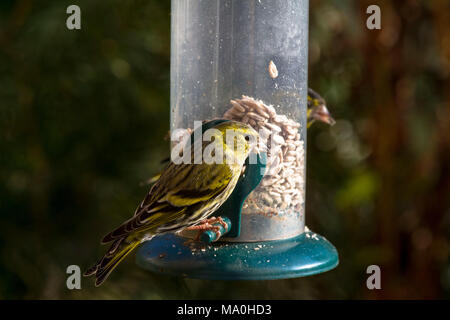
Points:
(317, 109)
(184, 195)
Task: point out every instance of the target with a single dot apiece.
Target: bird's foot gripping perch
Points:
(211, 229)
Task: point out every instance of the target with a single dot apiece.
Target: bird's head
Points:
(317, 109)
(238, 138)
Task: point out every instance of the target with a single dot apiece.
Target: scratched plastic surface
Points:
(304, 255)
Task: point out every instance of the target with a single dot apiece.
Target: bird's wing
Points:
(178, 195)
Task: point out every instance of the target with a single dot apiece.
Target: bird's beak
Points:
(322, 114)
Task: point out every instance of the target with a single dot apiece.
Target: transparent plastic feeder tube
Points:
(247, 61)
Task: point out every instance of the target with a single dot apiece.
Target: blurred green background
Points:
(83, 115)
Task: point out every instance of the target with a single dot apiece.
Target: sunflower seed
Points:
(273, 72)
(263, 113)
(250, 103)
(290, 159)
(256, 116)
(267, 198)
(278, 139)
(275, 194)
(272, 127)
(238, 106)
(270, 110)
(280, 119)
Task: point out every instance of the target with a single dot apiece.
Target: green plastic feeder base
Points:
(304, 255)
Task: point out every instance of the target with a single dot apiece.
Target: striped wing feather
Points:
(176, 199)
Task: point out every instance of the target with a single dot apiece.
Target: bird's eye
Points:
(247, 138)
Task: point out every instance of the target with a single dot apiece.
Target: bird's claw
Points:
(207, 225)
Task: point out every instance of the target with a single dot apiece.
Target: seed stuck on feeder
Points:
(273, 71)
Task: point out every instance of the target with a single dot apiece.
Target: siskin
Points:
(184, 195)
(317, 109)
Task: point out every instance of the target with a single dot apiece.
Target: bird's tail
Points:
(119, 249)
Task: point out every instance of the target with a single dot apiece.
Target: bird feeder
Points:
(245, 61)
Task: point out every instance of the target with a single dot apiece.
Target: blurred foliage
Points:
(83, 115)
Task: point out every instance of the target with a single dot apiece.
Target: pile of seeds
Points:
(282, 185)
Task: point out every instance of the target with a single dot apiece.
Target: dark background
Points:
(83, 115)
